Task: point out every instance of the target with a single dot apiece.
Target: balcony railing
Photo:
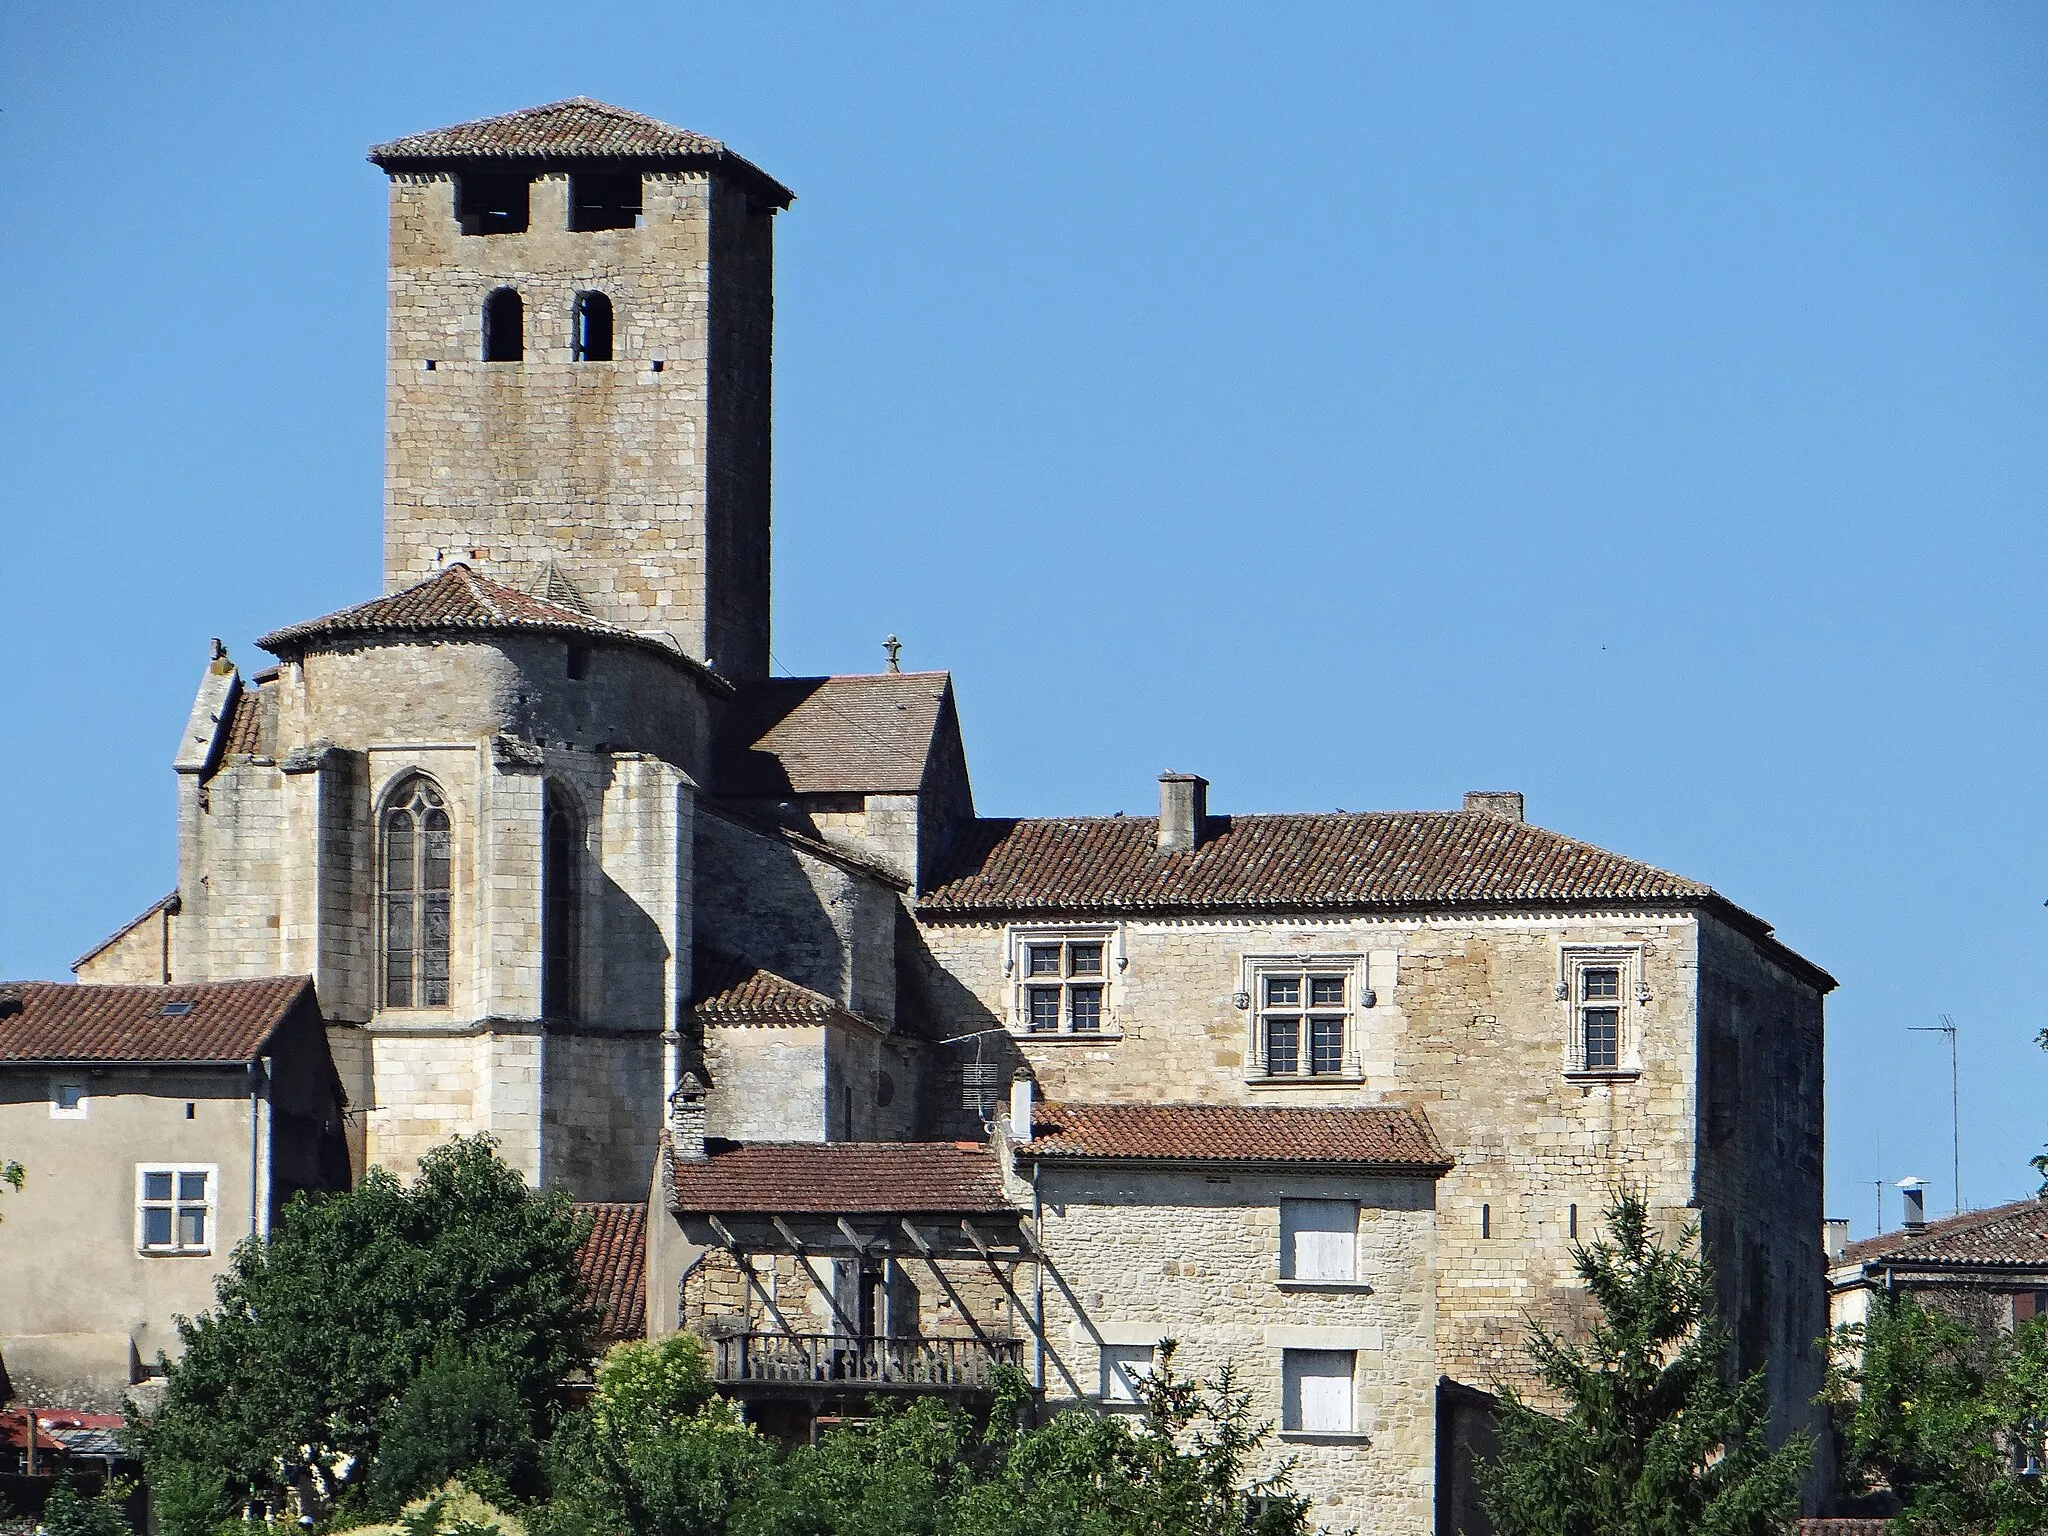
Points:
(830, 1357)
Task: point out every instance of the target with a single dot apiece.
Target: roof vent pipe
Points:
(1915, 1191)
(1183, 807)
(1020, 1106)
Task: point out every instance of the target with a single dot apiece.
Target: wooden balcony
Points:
(839, 1363)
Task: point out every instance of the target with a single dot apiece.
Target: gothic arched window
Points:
(504, 327)
(560, 861)
(591, 339)
(418, 858)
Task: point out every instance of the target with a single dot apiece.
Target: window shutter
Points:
(1319, 1239)
(1319, 1390)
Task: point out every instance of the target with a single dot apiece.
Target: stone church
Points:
(884, 1089)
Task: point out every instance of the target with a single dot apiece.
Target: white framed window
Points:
(1319, 1240)
(1601, 987)
(1304, 1016)
(1124, 1369)
(68, 1098)
(175, 1207)
(1062, 980)
(1318, 1388)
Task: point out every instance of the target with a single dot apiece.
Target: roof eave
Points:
(1247, 1164)
(289, 645)
(393, 161)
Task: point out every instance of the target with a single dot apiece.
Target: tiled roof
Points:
(1390, 859)
(456, 600)
(613, 1260)
(1366, 1135)
(731, 991)
(868, 734)
(228, 1021)
(844, 1178)
(244, 733)
(576, 129)
(2015, 1234)
(168, 899)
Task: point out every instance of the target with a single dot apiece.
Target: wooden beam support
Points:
(924, 1250)
(804, 1261)
(1023, 1311)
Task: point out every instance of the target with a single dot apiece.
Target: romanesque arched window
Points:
(561, 907)
(418, 870)
(504, 327)
(591, 339)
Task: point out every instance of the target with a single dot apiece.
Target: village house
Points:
(905, 1092)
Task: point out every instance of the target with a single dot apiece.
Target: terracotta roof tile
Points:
(848, 1178)
(1367, 1135)
(1374, 859)
(867, 734)
(2015, 1234)
(731, 991)
(613, 1260)
(228, 1020)
(576, 129)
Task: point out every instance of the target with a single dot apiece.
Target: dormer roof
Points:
(565, 132)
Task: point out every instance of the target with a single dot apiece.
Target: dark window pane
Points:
(398, 852)
(192, 1227)
(156, 1186)
(1283, 1046)
(1603, 1039)
(1601, 983)
(191, 1186)
(1042, 960)
(439, 845)
(156, 1226)
(1326, 991)
(1044, 1008)
(1326, 1045)
(1086, 1004)
(1283, 991)
(1086, 959)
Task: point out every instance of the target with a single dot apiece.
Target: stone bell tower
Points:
(580, 340)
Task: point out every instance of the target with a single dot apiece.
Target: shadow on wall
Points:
(966, 1077)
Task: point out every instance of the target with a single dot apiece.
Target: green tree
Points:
(644, 1387)
(69, 1512)
(1943, 1409)
(13, 1176)
(461, 1414)
(316, 1333)
(1656, 1438)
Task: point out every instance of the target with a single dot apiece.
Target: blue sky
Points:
(1638, 405)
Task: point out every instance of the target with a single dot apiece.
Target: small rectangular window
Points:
(1283, 1047)
(1303, 1021)
(489, 203)
(68, 1099)
(1318, 1391)
(1086, 1009)
(175, 1209)
(1318, 1239)
(1124, 1369)
(1045, 959)
(1600, 988)
(1045, 1009)
(1602, 1051)
(604, 200)
(1064, 986)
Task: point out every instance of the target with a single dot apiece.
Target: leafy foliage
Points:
(1656, 1439)
(1942, 1408)
(647, 1386)
(13, 1176)
(317, 1333)
(69, 1512)
(461, 1414)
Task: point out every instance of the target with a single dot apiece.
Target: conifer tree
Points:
(1656, 1437)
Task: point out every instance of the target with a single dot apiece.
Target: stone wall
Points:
(1195, 1257)
(601, 1113)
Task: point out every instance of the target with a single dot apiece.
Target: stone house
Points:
(159, 1127)
(1991, 1265)
(907, 1091)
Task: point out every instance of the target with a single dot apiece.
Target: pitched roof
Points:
(613, 1263)
(1390, 859)
(576, 129)
(169, 900)
(253, 719)
(228, 1021)
(2005, 1235)
(734, 991)
(1365, 1135)
(841, 1178)
(863, 734)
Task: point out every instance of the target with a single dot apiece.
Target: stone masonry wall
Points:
(1195, 1257)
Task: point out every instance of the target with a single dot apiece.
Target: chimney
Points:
(1020, 1105)
(1504, 803)
(1915, 1191)
(686, 1116)
(1183, 807)
(1834, 1238)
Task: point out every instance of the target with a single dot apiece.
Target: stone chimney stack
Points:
(1183, 807)
(1020, 1105)
(686, 1119)
(1915, 1192)
(1504, 803)
(1834, 1239)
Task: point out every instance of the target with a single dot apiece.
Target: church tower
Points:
(581, 316)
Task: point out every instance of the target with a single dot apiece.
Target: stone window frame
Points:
(1254, 969)
(1292, 1360)
(395, 790)
(1286, 1278)
(209, 1203)
(1115, 960)
(1574, 960)
(81, 1109)
(1125, 1368)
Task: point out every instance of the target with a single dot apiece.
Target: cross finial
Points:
(894, 648)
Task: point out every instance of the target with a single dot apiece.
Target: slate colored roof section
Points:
(733, 991)
(613, 1261)
(1365, 1136)
(228, 1023)
(565, 132)
(864, 734)
(842, 1178)
(2006, 1236)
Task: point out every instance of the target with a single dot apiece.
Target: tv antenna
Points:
(1947, 1026)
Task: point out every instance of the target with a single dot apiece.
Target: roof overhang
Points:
(862, 1234)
